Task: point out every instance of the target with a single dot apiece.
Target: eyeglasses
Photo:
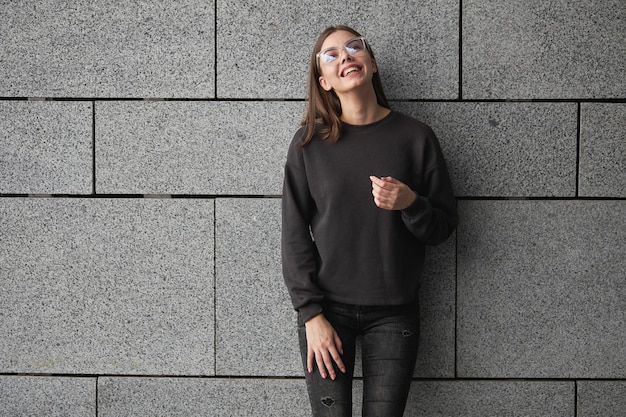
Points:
(353, 47)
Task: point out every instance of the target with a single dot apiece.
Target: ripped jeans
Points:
(389, 337)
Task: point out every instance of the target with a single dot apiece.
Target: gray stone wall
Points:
(141, 155)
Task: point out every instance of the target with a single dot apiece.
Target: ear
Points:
(324, 83)
(374, 65)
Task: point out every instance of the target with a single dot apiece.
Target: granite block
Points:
(264, 47)
(46, 147)
(192, 147)
(491, 398)
(603, 150)
(171, 397)
(47, 396)
(601, 398)
(541, 290)
(540, 49)
(106, 286)
(253, 307)
(255, 322)
(47, 50)
(99, 49)
(436, 355)
(505, 149)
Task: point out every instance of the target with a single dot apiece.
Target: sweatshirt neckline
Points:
(360, 128)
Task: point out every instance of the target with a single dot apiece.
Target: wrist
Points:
(315, 319)
(415, 207)
(411, 199)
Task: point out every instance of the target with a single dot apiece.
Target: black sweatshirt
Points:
(336, 243)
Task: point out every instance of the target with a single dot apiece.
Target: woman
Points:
(365, 189)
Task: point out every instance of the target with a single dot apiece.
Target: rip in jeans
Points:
(328, 401)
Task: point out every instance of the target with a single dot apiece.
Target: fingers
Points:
(385, 191)
(338, 344)
(384, 182)
(310, 356)
(324, 347)
(391, 194)
(324, 360)
(339, 351)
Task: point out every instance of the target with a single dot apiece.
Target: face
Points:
(345, 63)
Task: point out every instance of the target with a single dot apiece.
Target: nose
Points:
(344, 55)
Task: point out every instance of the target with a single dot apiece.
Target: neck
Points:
(360, 108)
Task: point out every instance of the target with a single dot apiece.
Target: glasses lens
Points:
(329, 55)
(352, 47)
(355, 46)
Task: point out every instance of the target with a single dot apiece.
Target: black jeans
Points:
(389, 337)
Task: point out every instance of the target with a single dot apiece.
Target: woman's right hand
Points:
(323, 346)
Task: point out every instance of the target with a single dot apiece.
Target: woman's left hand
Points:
(391, 194)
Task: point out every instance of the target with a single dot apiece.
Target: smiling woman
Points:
(365, 189)
(324, 107)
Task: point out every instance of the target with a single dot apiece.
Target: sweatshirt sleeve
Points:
(433, 216)
(299, 253)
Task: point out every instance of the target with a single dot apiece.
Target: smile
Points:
(350, 71)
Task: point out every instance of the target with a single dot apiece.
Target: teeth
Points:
(349, 71)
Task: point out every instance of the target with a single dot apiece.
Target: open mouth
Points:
(350, 70)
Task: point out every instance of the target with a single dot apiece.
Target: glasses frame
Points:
(361, 38)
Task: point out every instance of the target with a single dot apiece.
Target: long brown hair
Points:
(323, 110)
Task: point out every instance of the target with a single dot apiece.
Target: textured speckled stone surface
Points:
(46, 147)
(100, 49)
(47, 396)
(183, 397)
(603, 150)
(254, 312)
(505, 149)
(256, 324)
(193, 147)
(541, 290)
(601, 398)
(491, 398)
(106, 286)
(264, 47)
(435, 358)
(174, 305)
(544, 49)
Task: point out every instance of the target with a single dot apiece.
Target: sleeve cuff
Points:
(419, 206)
(309, 311)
